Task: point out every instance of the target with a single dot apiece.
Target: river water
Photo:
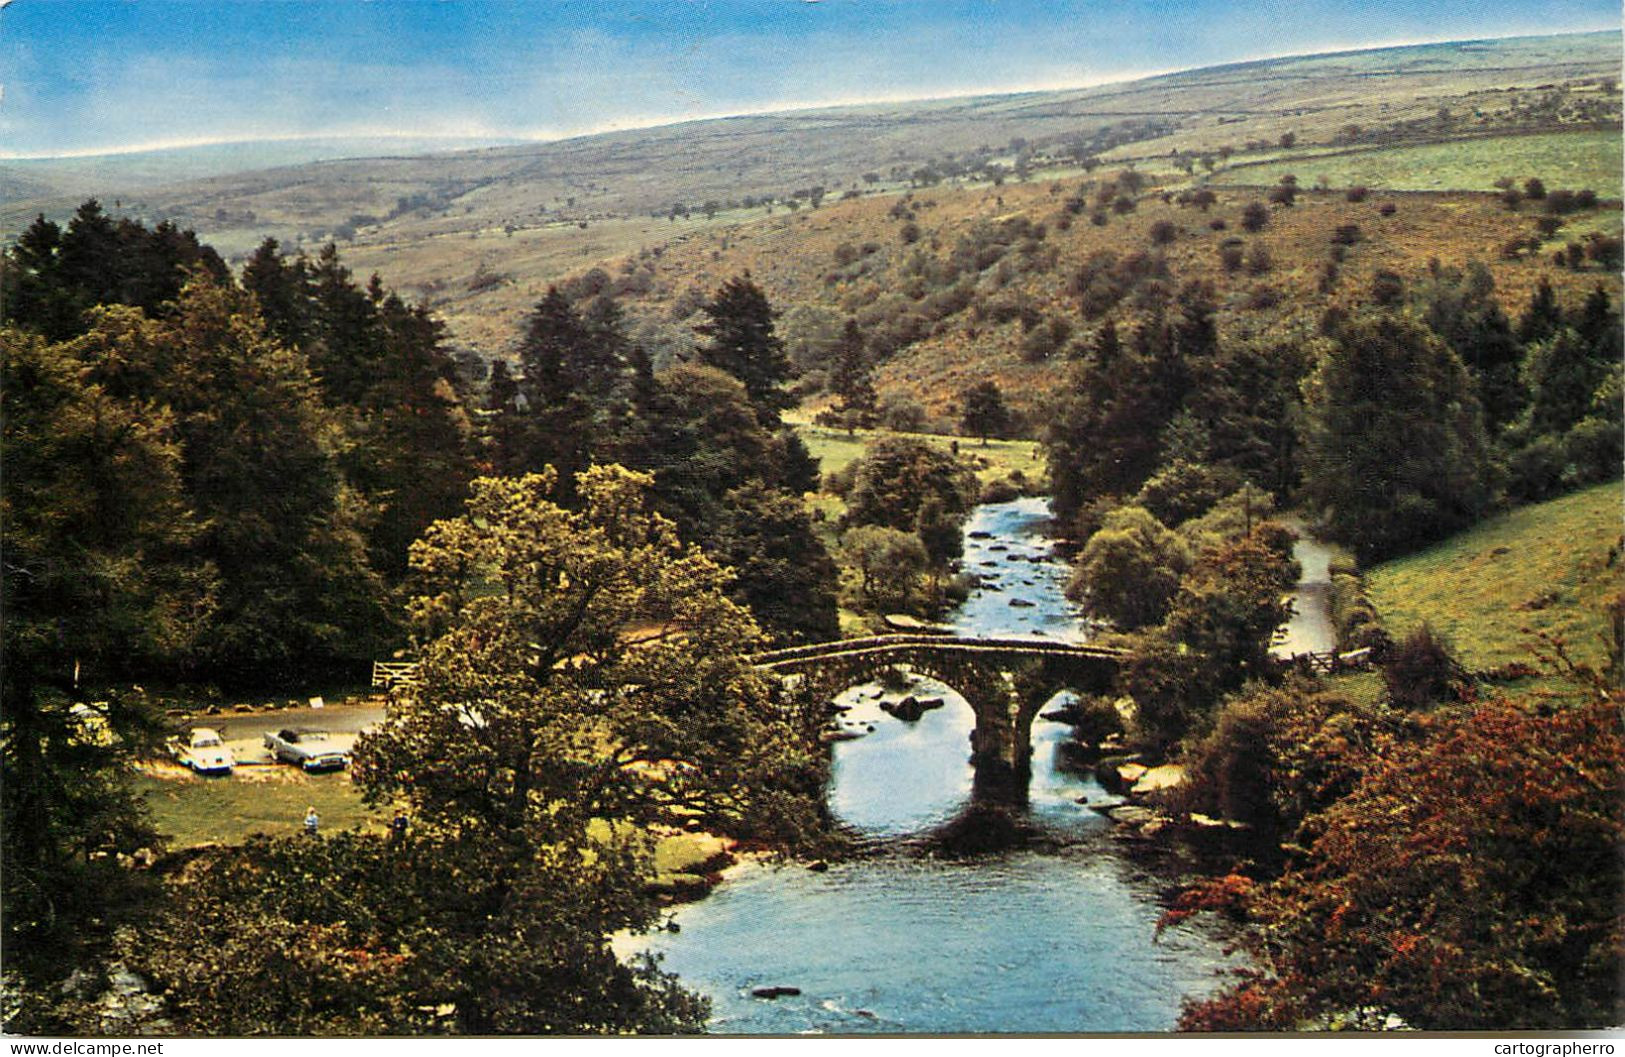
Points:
(1052, 932)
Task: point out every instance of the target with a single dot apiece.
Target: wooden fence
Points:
(387, 674)
(1330, 662)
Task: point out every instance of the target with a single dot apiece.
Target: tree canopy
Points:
(578, 665)
(1395, 447)
(982, 411)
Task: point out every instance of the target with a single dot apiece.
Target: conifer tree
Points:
(553, 427)
(739, 322)
(852, 382)
(1462, 309)
(282, 288)
(1543, 316)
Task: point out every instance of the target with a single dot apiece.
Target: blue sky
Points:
(91, 75)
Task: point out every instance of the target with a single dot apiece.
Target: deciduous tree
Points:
(982, 411)
(1395, 451)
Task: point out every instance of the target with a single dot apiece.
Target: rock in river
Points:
(775, 991)
(1131, 814)
(912, 708)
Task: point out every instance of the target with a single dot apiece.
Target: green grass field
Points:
(1541, 568)
(193, 810)
(835, 450)
(1574, 160)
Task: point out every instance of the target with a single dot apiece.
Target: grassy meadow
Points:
(835, 450)
(1573, 160)
(1549, 567)
(193, 810)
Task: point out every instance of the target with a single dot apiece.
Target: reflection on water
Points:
(955, 917)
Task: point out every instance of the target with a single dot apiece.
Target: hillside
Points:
(23, 179)
(1235, 114)
(1027, 279)
(1550, 567)
(955, 231)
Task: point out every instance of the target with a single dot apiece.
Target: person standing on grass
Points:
(312, 821)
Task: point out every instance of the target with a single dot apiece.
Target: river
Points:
(1054, 932)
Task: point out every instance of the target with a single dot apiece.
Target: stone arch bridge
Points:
(1006, 681)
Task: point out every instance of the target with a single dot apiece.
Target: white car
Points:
(204, 752)
(313, 750)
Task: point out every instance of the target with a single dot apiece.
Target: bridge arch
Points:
(1005, 681)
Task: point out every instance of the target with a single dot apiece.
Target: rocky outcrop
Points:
(1109, 773)
(1156, 779)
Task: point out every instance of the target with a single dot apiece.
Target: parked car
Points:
(203, 751)
(314, 750)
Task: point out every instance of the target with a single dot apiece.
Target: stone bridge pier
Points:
(1005, 681)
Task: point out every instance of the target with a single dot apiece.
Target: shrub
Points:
(839, 482)
(1387, 288)
(1259, 261)
(1595, 448)
(1168, 687)
(1163, 232)
(1608, 251)
(902, 415)
(1346, 235)
(1092, 515)
(1421, 671)
(1559, 202)
(1275, 756)
(1357, 193)
(1255, 216)
(1358, 624)
(1045, 340)
(1263, 296)
(1535, 471)
(1231, 255)
(1001, 490)
(1183, 490)
(1094, 719)
(1445, 888)
(1387, 209)
(888, 563)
